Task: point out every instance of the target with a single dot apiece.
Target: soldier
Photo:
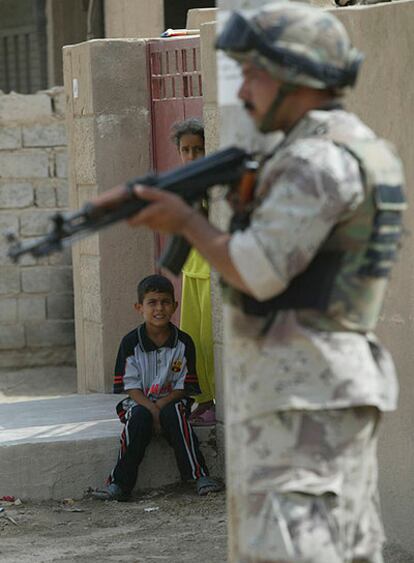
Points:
(305, 276)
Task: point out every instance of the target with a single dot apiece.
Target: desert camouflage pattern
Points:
(305, 360)
(303, 487)
(304, 30)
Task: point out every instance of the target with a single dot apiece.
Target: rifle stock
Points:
(191, 182)
(175, 254)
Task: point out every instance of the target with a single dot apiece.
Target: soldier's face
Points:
(257, 92)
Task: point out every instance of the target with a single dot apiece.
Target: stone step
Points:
(43, 382)
(56, 448)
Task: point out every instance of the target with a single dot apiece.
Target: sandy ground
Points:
(172, 524)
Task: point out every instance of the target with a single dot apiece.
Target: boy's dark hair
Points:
(157, 283)
(192, 126)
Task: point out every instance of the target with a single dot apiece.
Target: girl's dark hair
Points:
(193, 126)
(157, 283)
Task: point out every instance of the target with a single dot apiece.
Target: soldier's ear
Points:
(138, 307)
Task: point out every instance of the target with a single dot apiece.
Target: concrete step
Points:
(42, 382)
(54, 448)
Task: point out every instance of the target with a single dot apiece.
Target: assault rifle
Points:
(232, 166)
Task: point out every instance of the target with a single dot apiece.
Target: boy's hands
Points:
(138, 396)
(175, 395)
(155, 408)
(161, 403)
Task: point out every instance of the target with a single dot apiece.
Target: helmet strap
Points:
(266, 125)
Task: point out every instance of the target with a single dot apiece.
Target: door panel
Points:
(176, 94)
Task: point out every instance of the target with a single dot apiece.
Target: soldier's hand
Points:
(112, 198)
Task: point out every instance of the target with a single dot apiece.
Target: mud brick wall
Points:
(36, 295)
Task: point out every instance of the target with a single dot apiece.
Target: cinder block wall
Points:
(36, 295)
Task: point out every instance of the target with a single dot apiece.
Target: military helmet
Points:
(296, 43)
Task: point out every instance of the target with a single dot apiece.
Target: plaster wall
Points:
(109, 142)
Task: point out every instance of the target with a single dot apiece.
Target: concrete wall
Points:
(134, 18)
(108, 116)
(384, 99)
(217, 214)
(36, 295)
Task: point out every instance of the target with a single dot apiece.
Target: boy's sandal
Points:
(205, 485)
(111, 492)
(206, 418)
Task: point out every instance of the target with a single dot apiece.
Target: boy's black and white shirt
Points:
(157, 371)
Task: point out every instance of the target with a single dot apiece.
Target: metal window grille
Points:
(175, 72)
(23, 53)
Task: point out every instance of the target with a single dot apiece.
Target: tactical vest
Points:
(346, 280)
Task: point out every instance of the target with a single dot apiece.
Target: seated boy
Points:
(156, 367)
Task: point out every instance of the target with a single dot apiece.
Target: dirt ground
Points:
(172, 524)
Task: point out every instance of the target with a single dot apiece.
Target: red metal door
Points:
(176, 94)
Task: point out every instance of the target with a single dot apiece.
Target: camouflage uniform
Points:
(303, 403)
(304, 397)
(306, 487)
